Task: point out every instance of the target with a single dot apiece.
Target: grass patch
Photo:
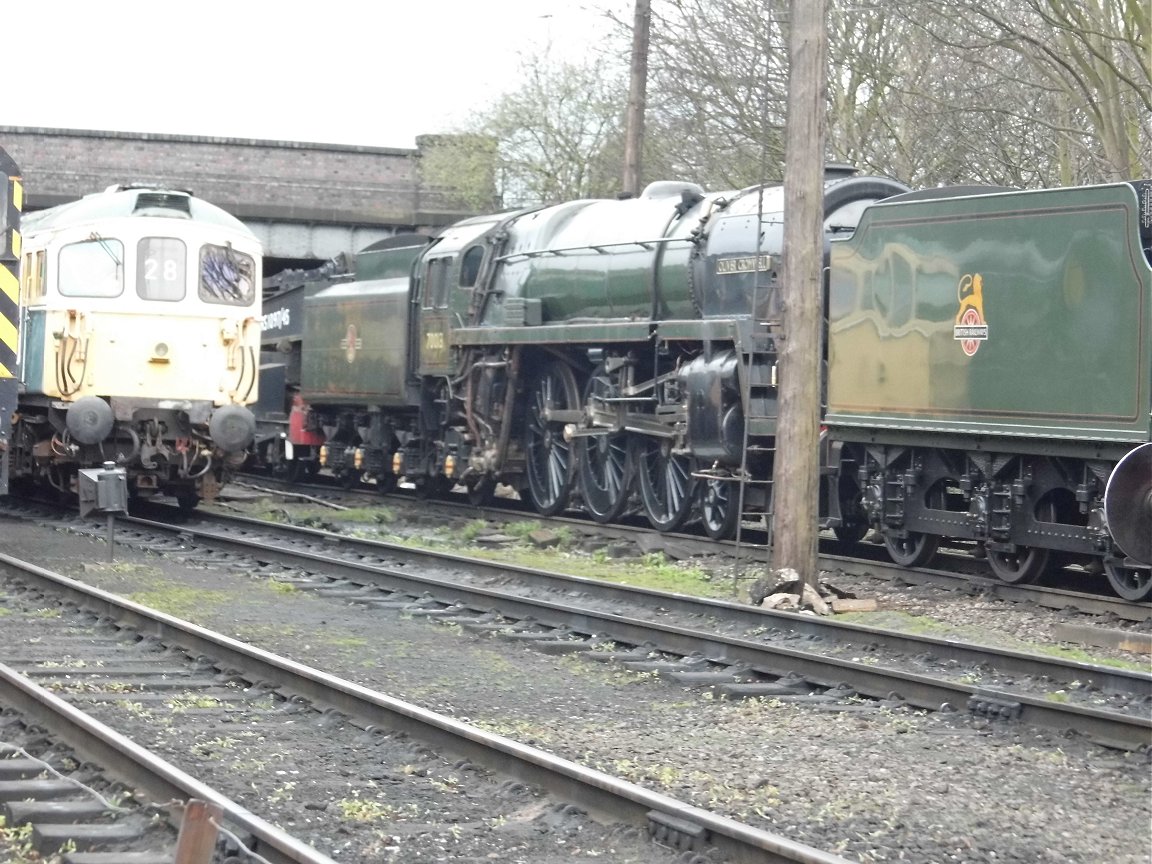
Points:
(271, 631)
(122, 567)
(348, 642)
(181, 601)
(473, 530)
(652, 571)
(318, 515)
(923, 625)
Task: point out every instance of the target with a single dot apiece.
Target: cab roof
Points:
(127, 201)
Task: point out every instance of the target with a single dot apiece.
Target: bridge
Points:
(306, 202)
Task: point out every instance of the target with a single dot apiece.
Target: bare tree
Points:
(1081, 71)
(1004, 92)
(717, 91)
(1029, 93)
(560, 132)
(462, 168)
(558, 136)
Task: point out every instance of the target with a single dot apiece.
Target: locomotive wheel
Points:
(481, 490)
(1132, 583)
(606, 473)
(300, 471)
(427, 488)
(855, 524)
(187, 501)
(1027, 563)
(1022, 567)
(551, 470)
(605, 462)
(915, 550)
(719, 508)
(667, 489)
(852, 532)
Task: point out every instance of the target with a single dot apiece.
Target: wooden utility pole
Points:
(637, 98)
(796, 480)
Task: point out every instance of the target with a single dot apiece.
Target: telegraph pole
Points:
(637, 98)
(796, 480)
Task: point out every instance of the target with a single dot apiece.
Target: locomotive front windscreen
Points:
(226, 276)
(92, 268)
(161, 268)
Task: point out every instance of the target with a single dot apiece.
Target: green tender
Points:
(1022, 314)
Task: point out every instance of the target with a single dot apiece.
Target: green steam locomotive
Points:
(621, 355)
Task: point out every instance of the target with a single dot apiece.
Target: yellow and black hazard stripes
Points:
(11, 203)
(9, 319)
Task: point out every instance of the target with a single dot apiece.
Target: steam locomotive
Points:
(139, 338)
(622, 354)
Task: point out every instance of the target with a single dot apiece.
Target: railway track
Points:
(955, 568)
(737, 650)
(135, 656)
(68, 804)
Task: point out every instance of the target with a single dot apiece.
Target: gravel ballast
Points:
(872, 784)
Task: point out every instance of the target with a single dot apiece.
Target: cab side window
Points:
(436, 283)
(32, 275)
(470, 266)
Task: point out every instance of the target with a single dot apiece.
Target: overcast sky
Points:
(374, 72)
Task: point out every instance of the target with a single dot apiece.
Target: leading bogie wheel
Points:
(719, 508)
(481, 490)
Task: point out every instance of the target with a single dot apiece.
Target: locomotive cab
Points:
(140, 339)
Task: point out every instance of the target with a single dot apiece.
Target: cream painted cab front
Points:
(121, 314)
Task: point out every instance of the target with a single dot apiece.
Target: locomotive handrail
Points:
(598, 247)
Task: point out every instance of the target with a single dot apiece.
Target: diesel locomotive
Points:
(139, 342)
(621, 355)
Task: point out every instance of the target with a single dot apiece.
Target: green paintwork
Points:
(597, 260)
(1066, 299)
(610, 271)
(556, 334)
(356, 334)
(390, 258)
